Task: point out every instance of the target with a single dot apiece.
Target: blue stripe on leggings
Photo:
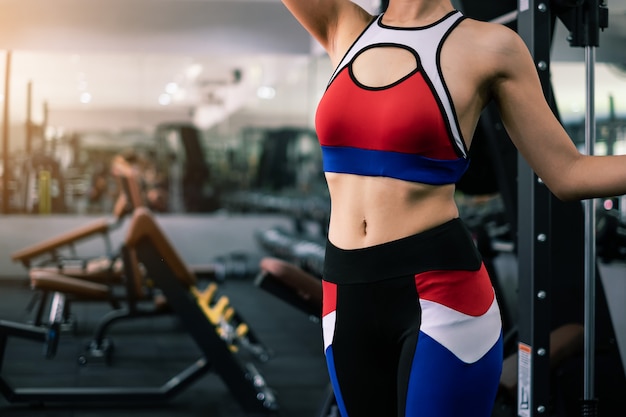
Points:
(444, 386)
(330, 362)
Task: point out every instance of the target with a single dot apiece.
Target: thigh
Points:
(458, 358)
(442, 385)
(365, 329)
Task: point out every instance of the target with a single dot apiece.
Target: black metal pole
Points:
(5, 137)
(589, 405)
(584, 19)
(535, 237)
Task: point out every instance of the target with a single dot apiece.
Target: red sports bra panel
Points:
(403, 117)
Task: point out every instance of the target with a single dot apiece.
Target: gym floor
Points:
(149, 352)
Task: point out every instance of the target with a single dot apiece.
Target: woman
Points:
(411, 326)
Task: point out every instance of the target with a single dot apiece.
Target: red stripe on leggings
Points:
(329, 296)
(469, 292)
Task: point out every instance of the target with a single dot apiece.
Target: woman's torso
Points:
(368, 209)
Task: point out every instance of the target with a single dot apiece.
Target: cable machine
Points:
(543, 225)
(537, 234)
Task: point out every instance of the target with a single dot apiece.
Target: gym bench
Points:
(211, 321)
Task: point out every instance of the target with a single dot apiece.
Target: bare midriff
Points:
(368, 211)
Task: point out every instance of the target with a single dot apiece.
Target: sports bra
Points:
(406, 130)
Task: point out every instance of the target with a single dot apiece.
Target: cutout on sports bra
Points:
(380, 66)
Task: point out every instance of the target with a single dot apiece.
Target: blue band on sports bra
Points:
(403, 166)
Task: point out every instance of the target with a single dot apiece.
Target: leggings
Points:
(412, 327)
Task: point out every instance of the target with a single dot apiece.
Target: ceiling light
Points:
(171, 88)
(193, 71)
(266, 92)
(165, 99)
(85, 98)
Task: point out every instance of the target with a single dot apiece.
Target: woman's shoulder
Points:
(492, 43)
(488, 33)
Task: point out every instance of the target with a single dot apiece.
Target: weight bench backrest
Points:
(144, 228)
(292, 284)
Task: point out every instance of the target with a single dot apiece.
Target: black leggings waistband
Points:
(448, 246)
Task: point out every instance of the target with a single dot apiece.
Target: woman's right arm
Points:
(333, 23)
